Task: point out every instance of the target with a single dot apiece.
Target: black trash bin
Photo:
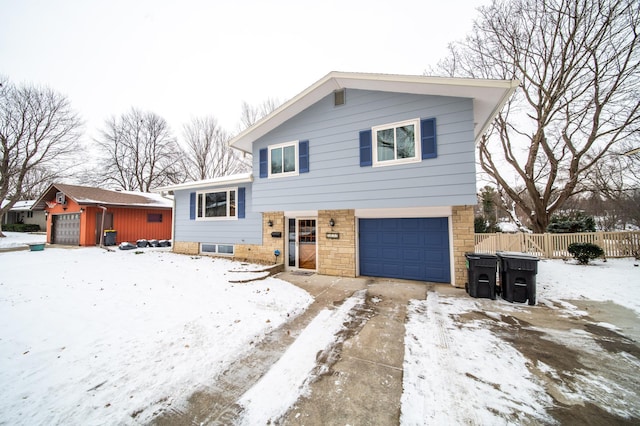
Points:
(110, 238)
(518, 277)
(481, 273)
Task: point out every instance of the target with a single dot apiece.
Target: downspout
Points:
(104, 212)
(173, 215)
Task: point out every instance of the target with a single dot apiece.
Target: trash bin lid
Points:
(515, 255)
(480, 256)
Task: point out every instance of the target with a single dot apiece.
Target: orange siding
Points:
(129, 223)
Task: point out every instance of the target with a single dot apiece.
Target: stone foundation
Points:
(186, 247)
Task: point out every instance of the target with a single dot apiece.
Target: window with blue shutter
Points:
(192, 206)
(264, 163)
(241, 203)
(428, 136)
(303, 156)
(365, 148)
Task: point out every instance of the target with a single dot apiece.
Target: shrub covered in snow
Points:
(584, 252)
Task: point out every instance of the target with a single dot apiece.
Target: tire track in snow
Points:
(273, 395)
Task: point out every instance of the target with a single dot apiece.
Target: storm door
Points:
(301, 243)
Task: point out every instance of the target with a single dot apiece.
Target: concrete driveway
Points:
(362, 374)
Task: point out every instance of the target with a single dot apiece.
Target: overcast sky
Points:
(188, 58)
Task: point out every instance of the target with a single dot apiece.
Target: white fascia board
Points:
(489, 96)
(406, 212)
(207, 183)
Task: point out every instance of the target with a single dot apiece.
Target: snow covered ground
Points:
(96, 337)
(465, 372)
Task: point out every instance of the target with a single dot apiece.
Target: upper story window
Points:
(217, 205)
(396, 143)
(283, 159)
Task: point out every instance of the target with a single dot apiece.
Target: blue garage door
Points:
(412, 249)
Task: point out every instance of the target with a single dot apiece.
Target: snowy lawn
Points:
(96, 337)
(102, 337)
(460, 371)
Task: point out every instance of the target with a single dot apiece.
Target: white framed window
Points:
(219, 249)
(396, 143)
(283, 159)
(217, 205)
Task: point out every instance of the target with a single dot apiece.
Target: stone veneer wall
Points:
(463, 241)
(265, 253)
(336, 257)
(186, 247)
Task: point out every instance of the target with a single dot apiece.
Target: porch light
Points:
(332, 222)
(270, 223)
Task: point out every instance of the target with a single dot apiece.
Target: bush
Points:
(21, 227)
(571, 223)
(482, 226)
(584, 252)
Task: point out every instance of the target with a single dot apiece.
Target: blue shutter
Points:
(303, 156)
(192, 206)
(264, 159)
(365, 148)
(428, 135)
(241, 192)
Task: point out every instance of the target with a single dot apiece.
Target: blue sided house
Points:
(358, 175)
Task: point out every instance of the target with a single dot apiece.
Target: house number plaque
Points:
(333, 235)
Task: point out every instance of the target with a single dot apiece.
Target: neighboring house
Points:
(78, 215)
(360, 174)
(22, 212)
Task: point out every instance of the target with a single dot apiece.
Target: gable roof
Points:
(488, 97)
(90, 196)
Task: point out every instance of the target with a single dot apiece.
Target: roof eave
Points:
(436, 86)
(208, 183)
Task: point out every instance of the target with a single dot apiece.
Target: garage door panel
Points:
(415, 248)
(66, 229)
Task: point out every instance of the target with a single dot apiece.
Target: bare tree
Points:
(207, 152)
(578, 62)
(39, 133)
(139, 152)
(616, 184)
(251, 114)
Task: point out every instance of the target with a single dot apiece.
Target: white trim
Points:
(217, 252)
(311, 214)
(416, 143)
(282, 174)
(208, 183)
(228, 190)
(391, 213)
